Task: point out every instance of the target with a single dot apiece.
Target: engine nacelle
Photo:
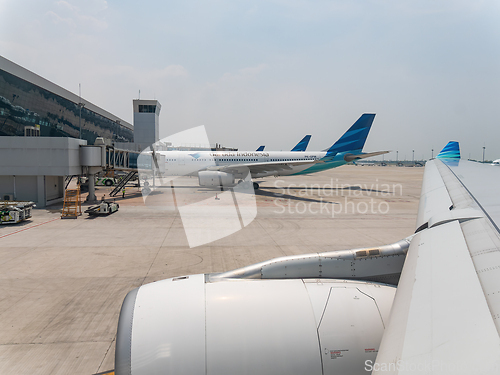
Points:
(190, 325)
(215, 178)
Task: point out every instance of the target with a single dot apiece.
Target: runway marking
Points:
(33, 226)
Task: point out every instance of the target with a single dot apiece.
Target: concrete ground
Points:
(63, 281)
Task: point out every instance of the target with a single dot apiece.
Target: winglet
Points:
(450, 151)
(261, 148)
(302, 145)
(355, 137)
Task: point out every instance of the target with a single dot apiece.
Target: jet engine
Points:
(215, 178)
(205, 325)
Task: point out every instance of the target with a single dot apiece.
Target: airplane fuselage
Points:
(178, 163)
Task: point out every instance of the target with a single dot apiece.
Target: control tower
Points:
(146, 123)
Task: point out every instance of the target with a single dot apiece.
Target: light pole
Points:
(413, 156)
(432, 153)
(81, 105)
(484, 147)
(397, 156)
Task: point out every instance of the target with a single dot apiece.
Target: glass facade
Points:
(25, 104)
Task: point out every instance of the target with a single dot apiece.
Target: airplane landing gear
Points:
(255, 186)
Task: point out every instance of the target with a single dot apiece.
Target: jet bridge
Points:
(35, 168)
(121, 160)
(99, 157)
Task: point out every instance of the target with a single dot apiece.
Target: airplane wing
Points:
(446, 314)
(265, 167)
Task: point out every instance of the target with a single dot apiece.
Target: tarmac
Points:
(63, 280)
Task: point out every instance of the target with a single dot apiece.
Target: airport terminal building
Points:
(32, 105)
(43, 130)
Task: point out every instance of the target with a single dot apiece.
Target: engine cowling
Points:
(215, 178)
(190, 325)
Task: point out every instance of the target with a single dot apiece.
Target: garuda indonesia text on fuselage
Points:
(226, 168)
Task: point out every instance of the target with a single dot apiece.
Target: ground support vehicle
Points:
(103, 208)
(13, 212)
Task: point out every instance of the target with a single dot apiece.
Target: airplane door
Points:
(181, 160)
(350, 331)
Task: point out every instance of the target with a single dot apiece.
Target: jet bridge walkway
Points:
(121, 160)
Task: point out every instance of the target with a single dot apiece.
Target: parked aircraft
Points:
(328, 313)
(227, 168)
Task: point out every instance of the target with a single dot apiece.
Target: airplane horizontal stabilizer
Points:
(351, 157)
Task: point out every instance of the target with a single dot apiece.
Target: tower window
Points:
(147, 108)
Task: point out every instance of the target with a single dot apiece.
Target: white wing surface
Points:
(263, 168)
(445, 316)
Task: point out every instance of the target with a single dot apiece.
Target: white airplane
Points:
(340, 312)
(227, 168)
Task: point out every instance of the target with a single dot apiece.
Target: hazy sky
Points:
(269, 72)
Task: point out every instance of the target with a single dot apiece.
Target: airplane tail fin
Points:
(302, 145)
(355, 137)
(450, 151)
(261, 148)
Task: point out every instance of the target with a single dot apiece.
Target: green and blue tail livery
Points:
(302, 145)
(355, 137)
(450, 151)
